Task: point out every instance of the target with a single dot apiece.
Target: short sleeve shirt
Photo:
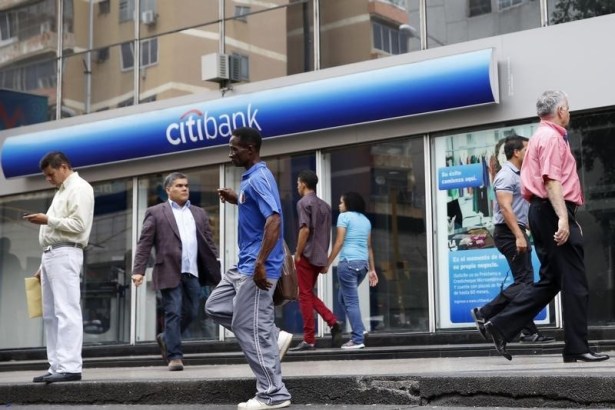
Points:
(258, 199)
(358, 228)
(549, 156)
(509, 179)
(315, 214)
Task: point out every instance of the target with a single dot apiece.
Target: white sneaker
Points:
(254, 404)
(284, 339)
(352, 345)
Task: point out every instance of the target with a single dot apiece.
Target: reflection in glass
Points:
(104, 86)
(28, 46)
(105, 280)
(563, 11)
(160, 77)
(351, 34)
(390, 177)
(285, 170)
(591, 140)
(262, 48)
(453, 22)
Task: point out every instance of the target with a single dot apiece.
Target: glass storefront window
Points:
(591, 140)
(285, 169)
(105, 280)
(150, 314)
(390, 177)
(469, 269)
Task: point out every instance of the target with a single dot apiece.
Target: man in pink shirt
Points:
(550, 183)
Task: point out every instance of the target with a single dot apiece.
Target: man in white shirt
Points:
(64, 233)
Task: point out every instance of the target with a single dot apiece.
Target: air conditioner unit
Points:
(215, 67)
(235, 68)
(148, 17)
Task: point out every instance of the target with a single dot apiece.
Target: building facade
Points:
(402, 101)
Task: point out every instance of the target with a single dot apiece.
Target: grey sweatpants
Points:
(240, 306)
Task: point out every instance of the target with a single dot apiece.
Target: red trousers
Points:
(307, 275)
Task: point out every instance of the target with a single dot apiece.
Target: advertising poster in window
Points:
(471, 271)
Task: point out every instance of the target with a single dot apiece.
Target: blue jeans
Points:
(181, 306)
(350, 274)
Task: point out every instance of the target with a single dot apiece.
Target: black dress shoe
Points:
(62, 377)
(585, 357)
(498, 340)
(479, 320)
(40, 379)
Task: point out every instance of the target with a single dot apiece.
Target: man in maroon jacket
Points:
(186, 258)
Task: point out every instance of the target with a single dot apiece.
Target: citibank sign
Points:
(439, 84)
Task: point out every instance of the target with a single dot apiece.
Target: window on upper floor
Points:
(478, 7)
(241, 13)
(506, 4)
(389, 39)
(149, 54)
(127, 8)
(7, 28)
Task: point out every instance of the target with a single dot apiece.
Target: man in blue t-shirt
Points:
(243, 301)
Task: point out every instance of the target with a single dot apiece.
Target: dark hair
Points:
(55, 160)
(512, 143)
(309, 178)
(168, 181)
(249, 136)
(354, 202)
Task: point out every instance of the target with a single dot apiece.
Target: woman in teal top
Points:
(354, 246)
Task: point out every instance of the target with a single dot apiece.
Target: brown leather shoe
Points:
(176, 365)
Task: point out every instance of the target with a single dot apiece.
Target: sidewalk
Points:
(526, 381)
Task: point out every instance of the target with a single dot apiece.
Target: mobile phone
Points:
(24, 214)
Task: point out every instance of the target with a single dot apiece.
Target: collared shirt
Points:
(187, 233)
(509, 179)
(70, 216)
(315, 214)
(258, 199)
(549, 156)
(358, 228)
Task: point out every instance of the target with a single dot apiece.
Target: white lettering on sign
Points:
(195, 126)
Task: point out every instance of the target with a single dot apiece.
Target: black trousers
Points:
(522, 272)
(561, 268)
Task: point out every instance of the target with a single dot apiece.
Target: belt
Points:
(572, 207)
(62, 245)
(506, 226)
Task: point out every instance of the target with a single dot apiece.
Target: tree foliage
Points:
(570, 10)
